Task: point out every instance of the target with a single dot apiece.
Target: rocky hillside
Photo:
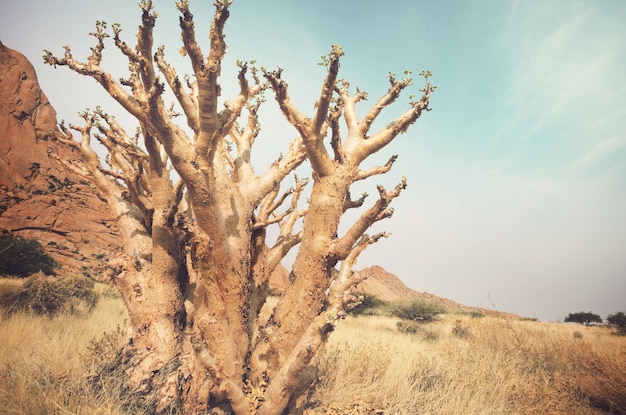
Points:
(39, 197)
(388, 287)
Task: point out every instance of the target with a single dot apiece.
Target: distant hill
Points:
(388, 287)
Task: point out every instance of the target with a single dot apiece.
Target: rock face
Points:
(39, 197)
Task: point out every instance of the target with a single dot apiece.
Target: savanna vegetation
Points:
(456, 364)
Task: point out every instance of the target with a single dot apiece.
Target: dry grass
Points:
(457, 366)
(464, 365)
(44, 361)
(9, 288)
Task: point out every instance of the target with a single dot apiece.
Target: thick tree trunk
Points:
(303, 299)
(157, 320)
(313, 265)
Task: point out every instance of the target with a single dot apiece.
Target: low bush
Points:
(369, 305)
(44, 295)
(461, 331)
(618, 320)
(418, 310)
(408, 327)
(21, 257)
(9, 292)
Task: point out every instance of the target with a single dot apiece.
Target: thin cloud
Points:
(600, 151)
(565, 72)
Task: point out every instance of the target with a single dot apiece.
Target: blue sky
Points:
(517, 178)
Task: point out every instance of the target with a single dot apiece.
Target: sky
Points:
(516, 197)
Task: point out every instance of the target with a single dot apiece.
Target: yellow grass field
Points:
(456, 366)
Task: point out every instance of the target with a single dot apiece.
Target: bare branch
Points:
(96, 52)
(392, 94)
(286, 238)
(269, 206)
(145, 42)
(244, 139)
(316, 151)
(128, 161)
(379, 211)
(377, 170)
(229, 116)
(346, 278)
(290, 111)
(123, 46)
(114, 88)
(327, 89)
(186, 101)
(394, 128)
(351, 204)
(191, 47)
(257, 189)
(349, 110)
(335, 140)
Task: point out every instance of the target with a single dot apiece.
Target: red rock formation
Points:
(39, 197)
(384, 285)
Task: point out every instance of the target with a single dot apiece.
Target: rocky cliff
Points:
(39, 197)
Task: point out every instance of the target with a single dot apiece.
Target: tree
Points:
(417, 310)
(619, 321)
(21, 257)
(194, 218)
(582, 317)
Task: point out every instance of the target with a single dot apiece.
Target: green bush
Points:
(21, 257)
(369, 305)
(418, 310)
(618, 320)
(44, 295)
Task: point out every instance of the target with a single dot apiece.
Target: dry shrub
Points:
(417, 310)
(496, 366)
(45, 295)
(602, 380)
(9, 292)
